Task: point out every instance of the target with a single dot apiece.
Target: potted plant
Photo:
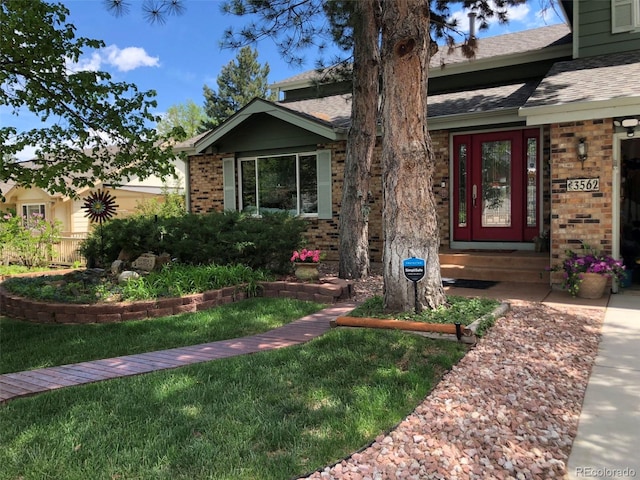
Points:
(586, 273)
(305, 264)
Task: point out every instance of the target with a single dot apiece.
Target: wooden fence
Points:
(66, 252)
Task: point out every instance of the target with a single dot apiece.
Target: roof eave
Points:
(579, 111)
(490, 63)
(475, 119)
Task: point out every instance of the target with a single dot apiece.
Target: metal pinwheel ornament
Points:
(100, 206)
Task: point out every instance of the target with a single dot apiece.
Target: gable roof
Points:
(312, 123)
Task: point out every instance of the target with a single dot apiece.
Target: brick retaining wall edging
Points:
(23, 308)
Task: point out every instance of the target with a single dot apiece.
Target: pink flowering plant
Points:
(305, 256)
(577, 264)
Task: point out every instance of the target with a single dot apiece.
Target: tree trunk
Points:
(354, 210)
(410, 220)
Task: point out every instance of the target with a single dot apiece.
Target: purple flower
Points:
(589, 262)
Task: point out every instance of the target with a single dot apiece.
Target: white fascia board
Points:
(574, 112)
(188, 149)
(261, 106)
(285, 86)
(491, 63)
(476, 119)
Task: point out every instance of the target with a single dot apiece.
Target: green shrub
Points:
(173, 280)
(221, 238)
(30, 239)
(172, 205)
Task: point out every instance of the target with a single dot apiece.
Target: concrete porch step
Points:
(502, 266)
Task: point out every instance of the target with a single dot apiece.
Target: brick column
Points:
(578, 217)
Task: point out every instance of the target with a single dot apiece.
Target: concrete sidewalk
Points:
(609, 428)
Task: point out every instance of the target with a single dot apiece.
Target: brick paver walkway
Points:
(21, 384)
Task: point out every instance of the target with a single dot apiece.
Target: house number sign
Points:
(583, 184)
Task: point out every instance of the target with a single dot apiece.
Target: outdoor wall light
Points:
(630, 123)
(582, 150)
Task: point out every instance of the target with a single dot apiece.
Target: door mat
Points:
(480, 250)
(461, 283)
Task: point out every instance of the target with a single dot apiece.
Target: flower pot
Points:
(592, 285)
(306, 271)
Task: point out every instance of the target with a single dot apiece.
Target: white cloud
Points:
(91, 63)
(28, 153)
(129, 58)
(518, 13)
(123, 59)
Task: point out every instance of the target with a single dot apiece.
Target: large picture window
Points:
(279, 183)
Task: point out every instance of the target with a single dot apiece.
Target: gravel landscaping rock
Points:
(508, 410)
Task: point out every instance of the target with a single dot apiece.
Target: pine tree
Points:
(239, 82)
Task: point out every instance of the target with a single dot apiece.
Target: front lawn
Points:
(271, 415)
(25, 345)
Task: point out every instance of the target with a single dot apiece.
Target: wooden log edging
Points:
(399, 325)
(433, 330)
(34, 311)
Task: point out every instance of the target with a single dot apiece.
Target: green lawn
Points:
(271, 415)
(25, 346)
(458, 309)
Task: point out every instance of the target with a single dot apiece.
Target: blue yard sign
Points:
(414, 268)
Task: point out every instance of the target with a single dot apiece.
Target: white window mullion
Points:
(298, 206)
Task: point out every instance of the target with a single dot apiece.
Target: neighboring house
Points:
(69, 212)
(536, 134)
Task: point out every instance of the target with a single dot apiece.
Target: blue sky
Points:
(180, 56)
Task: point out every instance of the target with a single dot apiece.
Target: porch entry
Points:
(495, 184)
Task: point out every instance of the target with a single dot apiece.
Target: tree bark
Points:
(410, 220)
(355, 208)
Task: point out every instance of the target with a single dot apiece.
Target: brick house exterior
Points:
(521, 107)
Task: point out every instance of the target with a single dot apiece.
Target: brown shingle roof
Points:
(489, 99)
(509, 44)
(337, 108)
(490, 47)
(599, 78)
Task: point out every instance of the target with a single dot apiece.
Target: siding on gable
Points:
(594, 31)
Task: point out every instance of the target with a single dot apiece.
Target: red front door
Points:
(495, 185)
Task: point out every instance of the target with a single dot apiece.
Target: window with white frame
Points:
(625, 15)
(32, 210)
(279, 183)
